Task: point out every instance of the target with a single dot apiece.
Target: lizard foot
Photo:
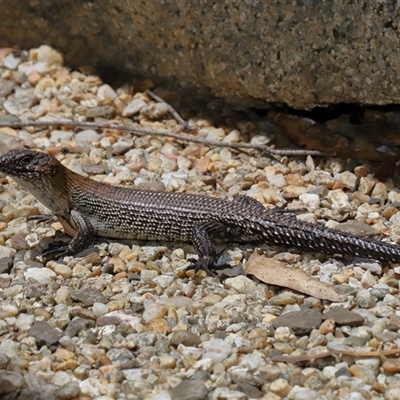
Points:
(56, 250)
(206, 264)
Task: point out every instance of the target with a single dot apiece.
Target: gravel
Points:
(124, 320)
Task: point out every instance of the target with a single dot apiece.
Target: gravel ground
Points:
(124, 320)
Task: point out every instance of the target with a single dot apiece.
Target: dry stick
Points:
(163, 133)
(352, 353)
(171, 109)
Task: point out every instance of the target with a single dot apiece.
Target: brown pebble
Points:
(202, 164)
(9, 131)
(158, 325)
(338, 185)
(327, 326)
(93, 258)
(104, 360)
(391, 365)
(394, 322)
(360, 171)
(34, 78)
(121, 275)
(186, 338)
(389, 212)
(53, 151)
(257, 332)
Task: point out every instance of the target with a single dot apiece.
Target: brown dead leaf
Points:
(274, 272)
(5, 51)
(306, 133)
(369, 141)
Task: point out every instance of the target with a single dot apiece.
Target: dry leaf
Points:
(5, 51)
(369, 141)
(274, 272)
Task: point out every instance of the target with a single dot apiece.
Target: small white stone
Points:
(278, 181)
(7, 252)
(252, 361)
(10, 61)
(216, 349)
(60, 136)
(240, 283)
(106, 94)
(310, 200)
(164, 395)
(87, 136)
(42, 275)
(100, 309)
(232, 137)
(47, 54)
(24, 321)
(154, 310)
(133, 107)
(62, 295)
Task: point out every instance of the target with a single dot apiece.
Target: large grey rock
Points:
(303, 53)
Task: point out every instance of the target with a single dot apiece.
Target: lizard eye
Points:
(25, 160)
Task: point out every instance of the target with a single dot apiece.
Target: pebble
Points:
(300, 322)
(344, 317)
(133, 107)
(88, 296)
(86, 136)
(106, 95)
(189, 389)
(154, 111)
(58, 136)
(310, 200)
(281, 387)
(42, 275)
(216, 349)
(44, 333)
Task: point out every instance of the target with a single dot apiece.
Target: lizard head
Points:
(39, 173)
(28, 164)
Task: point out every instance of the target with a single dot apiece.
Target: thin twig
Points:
(163, 133)
(171, 109)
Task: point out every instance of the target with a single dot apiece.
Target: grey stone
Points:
(186, 338)
(122, 357)
(68, 391)
(344, 317)
(5, 264)
(88, 296)
(300, 322)
(101, 111)
(78, 324)
(6, 87)
(44, 333)
(189, 390)
(251, 60)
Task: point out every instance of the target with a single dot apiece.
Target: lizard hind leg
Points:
(201, 238)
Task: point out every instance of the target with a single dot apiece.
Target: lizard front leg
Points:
(83, 237)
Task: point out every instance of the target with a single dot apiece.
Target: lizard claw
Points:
(206, 264)
(56, 250)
